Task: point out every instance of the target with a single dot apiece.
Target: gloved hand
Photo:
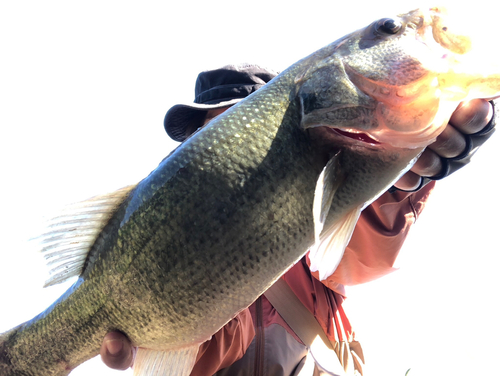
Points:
(469, 127)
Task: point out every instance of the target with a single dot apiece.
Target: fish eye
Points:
(388, 26)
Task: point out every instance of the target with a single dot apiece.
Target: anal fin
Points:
(165, 363)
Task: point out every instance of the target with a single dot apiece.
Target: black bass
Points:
(289, 169)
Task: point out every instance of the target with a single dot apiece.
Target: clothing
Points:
(215, 89)
(259, 342)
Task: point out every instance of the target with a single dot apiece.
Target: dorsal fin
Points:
(70, 235)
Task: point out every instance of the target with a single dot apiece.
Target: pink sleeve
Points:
(226, 346)
(378, 238)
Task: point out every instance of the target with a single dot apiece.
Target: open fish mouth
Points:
(363, 137)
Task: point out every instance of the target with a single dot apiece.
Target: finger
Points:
(117, 351)
(408, 182)
(471, 117)
(429, 164)
(450, 143)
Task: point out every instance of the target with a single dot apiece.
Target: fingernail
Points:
(114, 346)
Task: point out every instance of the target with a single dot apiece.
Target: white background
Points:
(84, 87)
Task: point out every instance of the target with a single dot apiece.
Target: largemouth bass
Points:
(174, 258)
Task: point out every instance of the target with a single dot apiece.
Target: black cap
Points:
(215, 89)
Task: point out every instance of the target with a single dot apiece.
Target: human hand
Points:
(117, 351)
(469, 118)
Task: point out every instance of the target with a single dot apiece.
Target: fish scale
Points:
(230, 210)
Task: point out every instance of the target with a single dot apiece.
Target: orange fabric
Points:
(378, 238)
(322, 302)
(371, 253)
(226, 346)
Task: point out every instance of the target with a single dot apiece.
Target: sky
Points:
(84, 87)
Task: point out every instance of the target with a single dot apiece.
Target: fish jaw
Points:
(331, 140)
(409, 111)
(415, 77)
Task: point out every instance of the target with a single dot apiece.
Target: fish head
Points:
(397, 81)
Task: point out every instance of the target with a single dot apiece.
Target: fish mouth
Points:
(331, 140)
(357, 136)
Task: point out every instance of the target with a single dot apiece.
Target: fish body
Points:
(286, 170)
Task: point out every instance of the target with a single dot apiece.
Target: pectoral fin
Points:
(326, 253)
(328, 182)
(165, 363)
(330, 242)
